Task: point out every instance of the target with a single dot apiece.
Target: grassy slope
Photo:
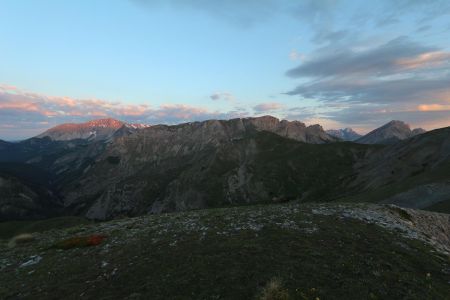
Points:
(442, 207)
(319, 172)
(228, 254)
(438, 173)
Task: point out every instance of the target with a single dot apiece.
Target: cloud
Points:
(385, 59)
(367, 90)
(328, 36)
(222, 96)
(267, 107)
(241, 13)
(294, 55)
(248, 13)
(424, 28)
(434, 107)
(398, 79)
(367, 117)
(400, 71)
(316, 12)
(24, 114)
(425, 10)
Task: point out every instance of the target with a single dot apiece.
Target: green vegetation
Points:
(232, 253)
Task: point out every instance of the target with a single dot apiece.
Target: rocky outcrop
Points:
(422, 196)
(390, 133)
(294, 130)
(429, 227)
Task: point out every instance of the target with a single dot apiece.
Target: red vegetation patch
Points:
(81, 241)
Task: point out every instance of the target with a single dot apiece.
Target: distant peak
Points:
(99, 129)
(346, 134)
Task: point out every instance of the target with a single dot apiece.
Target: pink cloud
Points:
(433, 107)
(37, 112)
(20, 105)
(424, 60)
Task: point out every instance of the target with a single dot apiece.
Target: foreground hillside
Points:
(332, 251)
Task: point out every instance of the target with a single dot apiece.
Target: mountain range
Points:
(105, 169)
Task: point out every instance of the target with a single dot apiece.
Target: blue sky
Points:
(337, 63)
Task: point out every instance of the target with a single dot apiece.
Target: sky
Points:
(338, 63)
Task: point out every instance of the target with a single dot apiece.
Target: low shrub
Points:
(80, 241)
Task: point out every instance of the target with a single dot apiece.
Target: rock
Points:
(35, 259)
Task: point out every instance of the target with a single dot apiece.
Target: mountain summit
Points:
(390, 133)
(94, 130)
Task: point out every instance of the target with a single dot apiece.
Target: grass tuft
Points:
(20, 239)
(274, 290)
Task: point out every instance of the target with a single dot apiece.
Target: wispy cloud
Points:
(389, 58)
(267, 107)
(226, 96)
